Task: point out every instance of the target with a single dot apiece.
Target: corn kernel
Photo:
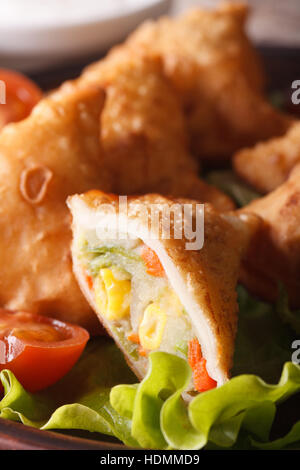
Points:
(152, 327)
(100, 294)
(113, 295)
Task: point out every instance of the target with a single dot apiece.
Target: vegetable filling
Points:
(133, 294)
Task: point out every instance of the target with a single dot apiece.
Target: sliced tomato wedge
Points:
(152, 262)
(21, 95)
(38, 350)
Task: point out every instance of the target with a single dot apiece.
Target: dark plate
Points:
(16, 436)
(282, 68)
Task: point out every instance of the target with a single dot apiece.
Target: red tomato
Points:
(38, 350)
(21, 95)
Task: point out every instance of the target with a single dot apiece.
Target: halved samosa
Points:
(148, 287)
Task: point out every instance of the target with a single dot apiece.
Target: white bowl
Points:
(33, 42)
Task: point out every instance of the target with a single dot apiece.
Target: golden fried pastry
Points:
(142, 127)
(52, 154)
(143, 132)
(71, 143)
(152, 289)
(218, 76)
(267, 165)
(274, 254)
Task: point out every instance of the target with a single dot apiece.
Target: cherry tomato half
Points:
(21, 95)
(38, 350)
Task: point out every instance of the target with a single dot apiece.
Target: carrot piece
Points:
(202, 381)
(89, 281)
(134, 338)
(194, 352)
(151, 260)
(142, 352)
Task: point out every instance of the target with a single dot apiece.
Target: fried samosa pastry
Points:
(218, 76)
(52, 154)
(267, 165)
(273, 256)
(61, 150)
(143, 133)
(152, 292)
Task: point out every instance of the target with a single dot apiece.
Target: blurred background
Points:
(51, 40)
(271, 22)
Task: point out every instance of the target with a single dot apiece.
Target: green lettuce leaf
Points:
(263, 343)
(290, 438)
(228, 182)
(167, 375)
(79, 401)
(153, 414)
(161, 419)
(278, 99)
(287, 315)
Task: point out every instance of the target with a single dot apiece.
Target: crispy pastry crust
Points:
(268, 164)
(60, 150)
(143, 130)
(53, 153)
(274, 253)
(218, 76)
(209, 275)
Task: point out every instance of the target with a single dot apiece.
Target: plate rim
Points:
(18, 436)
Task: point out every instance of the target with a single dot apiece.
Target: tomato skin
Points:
(39, 364)
(21, 96)
(152, 262)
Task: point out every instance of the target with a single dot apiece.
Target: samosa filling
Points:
(143, 312)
